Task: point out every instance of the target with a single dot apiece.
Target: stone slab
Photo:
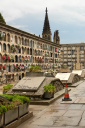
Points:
(63, 76)
(82, 122)
(79, 72)
(80, 100)
(73, 113)
(54, 113)
(29, 83)
(75, 107)
(67, 121)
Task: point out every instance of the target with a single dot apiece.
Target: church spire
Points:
(46, 29)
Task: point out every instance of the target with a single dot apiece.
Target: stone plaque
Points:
(63, 76)
(29, 83)
(79, 72)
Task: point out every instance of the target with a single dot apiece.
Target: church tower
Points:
(46, 34)
(56, 38)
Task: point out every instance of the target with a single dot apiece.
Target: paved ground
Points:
(60, 114)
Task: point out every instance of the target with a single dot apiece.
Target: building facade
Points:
(73, 56)
(19, 50)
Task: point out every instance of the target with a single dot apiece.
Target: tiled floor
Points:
(58, 114)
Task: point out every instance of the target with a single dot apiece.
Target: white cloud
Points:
(67, 10)
(59, 11)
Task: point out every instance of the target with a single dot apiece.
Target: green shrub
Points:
(25, 99)
(7, 88)
(49, 88)
(10, 106)
(3, 109)
(35, 69)
(14, 101)
(8, 97)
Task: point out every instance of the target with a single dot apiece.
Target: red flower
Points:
(0, 67)
(4, 68)
(4, 57)
(8, 58)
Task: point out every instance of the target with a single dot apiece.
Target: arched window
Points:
(16, 58)
(0, 47)
(16, 39)
(22, 75)
(8, 48)
(22, 50)
(0, 58)
(25, 42)
(30, 51)
(12, 39)
(22, 41)
(19, 40)
(4, 47)
(8, 37)
(30, 59)
(4, 36)
(19, 58)
(28, 42)
(31, 43)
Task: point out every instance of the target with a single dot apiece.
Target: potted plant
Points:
(11, 58)
(49, 91)
(3, 109)
(7, 109)
(21, 101)
(13, 106)
(13, 48)
(16, 67)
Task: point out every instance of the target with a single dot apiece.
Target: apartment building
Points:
(73, 55)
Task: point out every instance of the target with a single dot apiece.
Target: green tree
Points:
(2, 19)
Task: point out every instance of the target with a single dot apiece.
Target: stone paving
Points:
(58, 114)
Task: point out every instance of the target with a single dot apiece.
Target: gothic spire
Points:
(46, 29)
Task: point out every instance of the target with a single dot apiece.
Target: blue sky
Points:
(67, 16)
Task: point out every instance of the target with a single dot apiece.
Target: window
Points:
(81, 48)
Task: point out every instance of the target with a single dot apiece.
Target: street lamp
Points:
(43, 60)
(53, 58)
(71, 59)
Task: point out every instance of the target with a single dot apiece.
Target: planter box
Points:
(23, 109)
(32, 74)
(11, 115)
(48, 95)
(1, 120)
